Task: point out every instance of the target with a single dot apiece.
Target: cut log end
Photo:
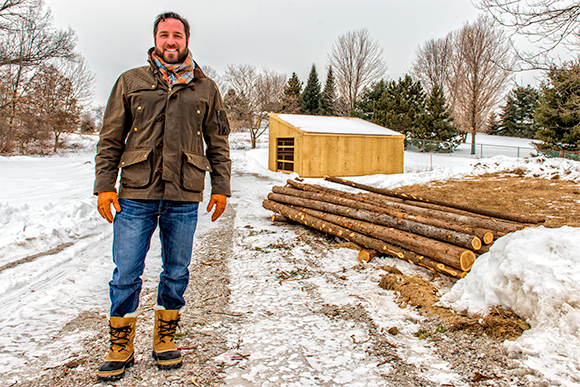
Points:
(467, 259)
(366, 256)
(476, 243)
(488, 238)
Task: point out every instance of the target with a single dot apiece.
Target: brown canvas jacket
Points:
(164, 141)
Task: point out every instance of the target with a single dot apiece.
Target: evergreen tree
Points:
(558, 113)
(291, 97)
(365, 107)
(328, 103)
(517, 116)
(400, 105)
(436, 123)
(311, 95)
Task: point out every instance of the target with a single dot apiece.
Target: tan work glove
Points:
(220, 205)
(104, 205)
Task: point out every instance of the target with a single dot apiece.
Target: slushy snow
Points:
(47, 202)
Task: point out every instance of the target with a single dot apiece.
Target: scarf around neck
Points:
(175, 73)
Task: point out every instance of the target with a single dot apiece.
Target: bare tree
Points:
(53, 103)
(27, 41)
(433, 62)
(546, 23)
(257, 93)
(358, 62)
(481, 72)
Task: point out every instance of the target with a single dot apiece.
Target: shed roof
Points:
(336, 125)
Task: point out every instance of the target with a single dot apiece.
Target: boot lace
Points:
(119, 337)
(167, 329)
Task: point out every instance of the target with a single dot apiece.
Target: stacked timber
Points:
(443, 237)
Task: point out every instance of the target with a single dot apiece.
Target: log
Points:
(279, 218)
(363, 240)
(438, 218)
(401, 195)
(324, 202)
(366, 255)
(446, 253)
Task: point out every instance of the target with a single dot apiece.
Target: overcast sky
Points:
(282, 35)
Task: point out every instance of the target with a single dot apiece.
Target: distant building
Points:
(316, 146)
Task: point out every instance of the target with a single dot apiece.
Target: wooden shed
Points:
(315, 146)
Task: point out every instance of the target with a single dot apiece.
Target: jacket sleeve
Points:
(216, 131)
(111, 145)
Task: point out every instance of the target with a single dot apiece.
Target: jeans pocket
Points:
(136, 168)
(193, 172)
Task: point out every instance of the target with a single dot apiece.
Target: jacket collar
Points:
(197, 72)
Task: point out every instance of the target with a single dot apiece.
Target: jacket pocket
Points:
(193, 171)
(223, 123)
(135, 168)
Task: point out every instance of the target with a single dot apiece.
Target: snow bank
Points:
(536, 273)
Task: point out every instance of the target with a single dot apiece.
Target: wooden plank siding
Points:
(321, 154)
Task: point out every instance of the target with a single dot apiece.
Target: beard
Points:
(172, 57)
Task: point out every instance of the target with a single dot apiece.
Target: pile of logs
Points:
(442, 237)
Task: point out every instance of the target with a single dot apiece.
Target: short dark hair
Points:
(171, 15)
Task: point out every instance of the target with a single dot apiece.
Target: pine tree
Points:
(517, 116)
(435, 123)
(311, 95)
(558, 113)
(365, 107)
(400, 105)
(291, 97)
(328, 103)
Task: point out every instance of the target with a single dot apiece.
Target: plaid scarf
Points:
(175, 72)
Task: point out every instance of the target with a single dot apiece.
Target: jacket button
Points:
(159, 171)
(207, 167)
(198, 112)
(160, 92)
(198, 133)
(153, 86)
(135, 129)
(160, 117)
(139, 107)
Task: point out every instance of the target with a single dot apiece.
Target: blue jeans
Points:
(132, 231)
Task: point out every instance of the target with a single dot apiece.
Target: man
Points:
(165, 127)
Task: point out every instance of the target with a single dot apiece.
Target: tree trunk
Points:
(369, 213)
(446, 253)
(363, 240)
(442, 219)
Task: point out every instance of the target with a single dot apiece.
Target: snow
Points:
(536, 273)
(336, 125)
(47, 203)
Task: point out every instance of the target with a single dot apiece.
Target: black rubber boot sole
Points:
(165, 366)
(105, 378)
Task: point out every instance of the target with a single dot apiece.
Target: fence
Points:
(483, 150)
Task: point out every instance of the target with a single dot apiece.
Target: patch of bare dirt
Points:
(558, 201)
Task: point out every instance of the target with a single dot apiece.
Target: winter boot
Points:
(120, 357)
(164, 350)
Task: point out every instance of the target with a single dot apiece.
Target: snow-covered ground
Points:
(55, 263)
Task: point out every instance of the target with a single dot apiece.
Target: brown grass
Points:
(558, 201)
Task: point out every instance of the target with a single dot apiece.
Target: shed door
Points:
(285, 154)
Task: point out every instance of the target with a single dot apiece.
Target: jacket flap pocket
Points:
(134, 157)
(198, 161)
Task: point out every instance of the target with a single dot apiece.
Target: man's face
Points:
(170, 41)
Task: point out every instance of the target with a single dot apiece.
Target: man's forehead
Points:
(171, 25)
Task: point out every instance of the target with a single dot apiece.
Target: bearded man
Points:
(164, 127)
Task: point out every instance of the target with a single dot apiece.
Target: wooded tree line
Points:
(45, 85)
(457, 85)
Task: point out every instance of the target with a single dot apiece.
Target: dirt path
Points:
(276, 305)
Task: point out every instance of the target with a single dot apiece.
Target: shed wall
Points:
(318, 155)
